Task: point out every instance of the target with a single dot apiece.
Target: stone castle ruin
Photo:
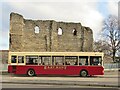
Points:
(48, 36)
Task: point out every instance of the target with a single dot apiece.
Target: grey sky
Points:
(88, 13)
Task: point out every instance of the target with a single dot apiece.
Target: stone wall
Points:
(4, 60)
(23, 37)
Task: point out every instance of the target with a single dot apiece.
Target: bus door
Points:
(21, 60)
(13, 59)
(17, 60)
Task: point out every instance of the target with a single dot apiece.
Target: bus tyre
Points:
(83, 73)
(31, 72)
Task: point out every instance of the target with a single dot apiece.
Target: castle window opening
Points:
(74, 32)
(60, 31)
(37, 30)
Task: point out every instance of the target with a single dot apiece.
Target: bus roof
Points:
(60, 53)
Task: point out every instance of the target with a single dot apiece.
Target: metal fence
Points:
(112, 66)
(4, 67)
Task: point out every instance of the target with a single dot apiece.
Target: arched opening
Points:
(36, 29)
(60, 31)
(74, 32)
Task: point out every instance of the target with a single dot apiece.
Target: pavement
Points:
(58, 82)
(110, 79)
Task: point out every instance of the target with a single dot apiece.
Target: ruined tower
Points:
(48, 36)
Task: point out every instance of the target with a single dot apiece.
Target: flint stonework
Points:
(23, 37)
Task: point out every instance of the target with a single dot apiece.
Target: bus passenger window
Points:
(45, 60)
(39, 60)
(59, 60)
(31, 60)
(71, 60)
(83, 60)
(95, 60)
(67, 62)
(13, 59)
(20, 59)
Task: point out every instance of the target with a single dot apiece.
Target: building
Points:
(48, 36)
(3, 59)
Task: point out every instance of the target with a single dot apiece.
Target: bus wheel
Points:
(83, 73)
(31, 72)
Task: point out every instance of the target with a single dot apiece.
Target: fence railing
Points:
(112, 66)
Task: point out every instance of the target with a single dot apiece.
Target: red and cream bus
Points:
(57, 63)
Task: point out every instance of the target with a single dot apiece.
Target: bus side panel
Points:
(68, 70)
(24, 69)
(96, 70)
(20, 70)
(73, 70)
(92, 70)
(10, 69)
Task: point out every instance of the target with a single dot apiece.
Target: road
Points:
(8, 85)
(109, 80)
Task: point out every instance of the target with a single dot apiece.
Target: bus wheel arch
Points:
(83, 73)
(31, 72)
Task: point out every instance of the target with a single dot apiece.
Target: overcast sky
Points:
(90, 13)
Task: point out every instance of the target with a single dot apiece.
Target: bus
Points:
(57, 63)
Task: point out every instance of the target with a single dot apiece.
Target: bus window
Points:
(59, 60)
(39, 60)
(13, 59)
(71, 60)
(45, 60)
(20, 59)
(31, 60)
(83, 60)
(95, 60)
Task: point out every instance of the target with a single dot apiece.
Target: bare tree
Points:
(111, 33)
(101, 46)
